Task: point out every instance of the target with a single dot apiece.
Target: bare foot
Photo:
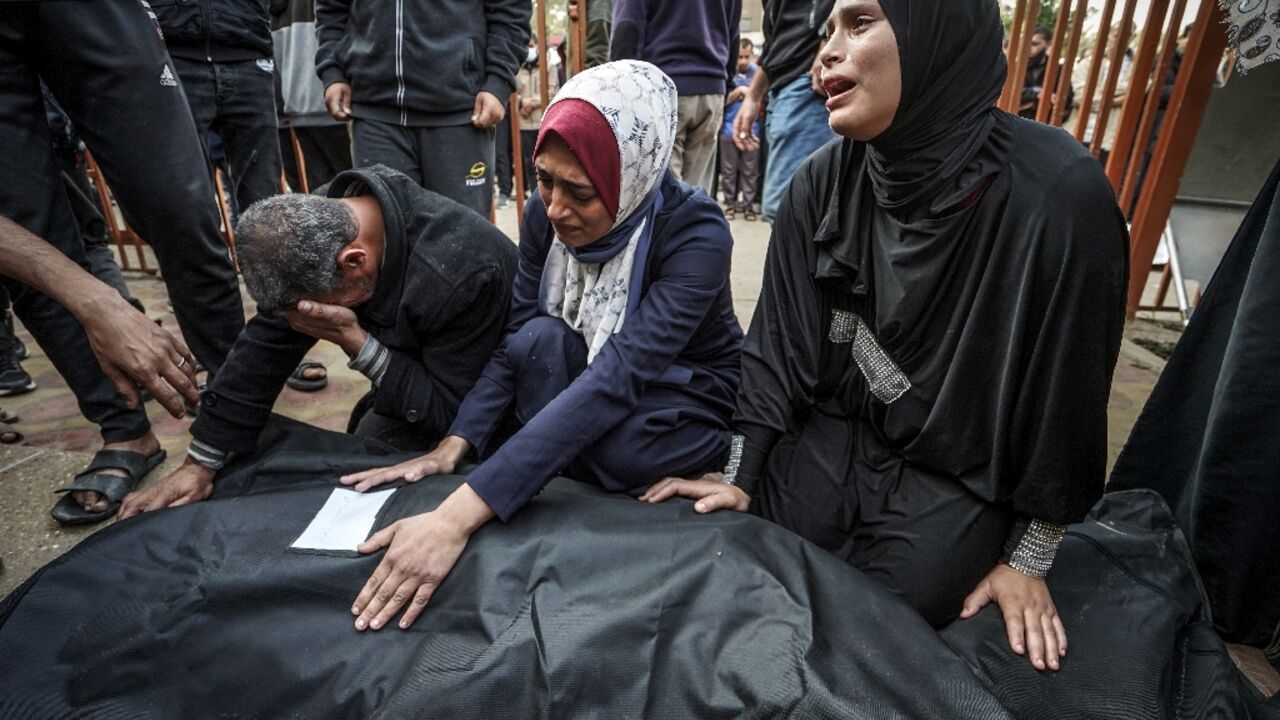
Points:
(93, 501)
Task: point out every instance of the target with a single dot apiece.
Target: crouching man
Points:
(413, 286)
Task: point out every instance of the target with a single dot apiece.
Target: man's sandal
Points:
(113, 487)
(299, 381)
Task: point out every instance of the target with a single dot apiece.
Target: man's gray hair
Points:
(288, 248)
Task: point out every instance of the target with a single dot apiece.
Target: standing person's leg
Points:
(246, 121)
(747, 179)
(502, 158)
(729, 154)
(379, 143)
(528, 138)
(457, 162)
(685, 111)
(796, 126)
(326, 151)
(701, 131)
(108, 68)
(33, 195)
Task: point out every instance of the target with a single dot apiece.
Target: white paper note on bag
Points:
(344, 522)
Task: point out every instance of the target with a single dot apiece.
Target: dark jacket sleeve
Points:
(493, 393)
(237, 405)
(693, 264)
(1059, 424)
(506, 37)
(630, 29)
(735, 34)
(427, 388)
(331, 30)
(781, 353)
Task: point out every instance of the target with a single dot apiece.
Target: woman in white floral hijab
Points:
(621, 362)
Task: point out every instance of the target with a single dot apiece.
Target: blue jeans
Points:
(795, 126)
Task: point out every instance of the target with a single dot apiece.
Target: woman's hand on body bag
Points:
(1030, 617)
(440, 461)
(709, 493)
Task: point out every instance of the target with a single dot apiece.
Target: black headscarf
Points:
(939, 149)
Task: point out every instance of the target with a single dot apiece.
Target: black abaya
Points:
(1208, 440)
(954, 291)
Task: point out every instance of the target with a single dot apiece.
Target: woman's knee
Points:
(543, 337)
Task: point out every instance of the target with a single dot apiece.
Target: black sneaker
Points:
(13, 379)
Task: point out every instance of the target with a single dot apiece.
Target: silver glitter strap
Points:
(1037, 548)
(735, 459)
(885, 379)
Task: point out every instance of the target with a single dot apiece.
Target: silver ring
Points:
(182, 362)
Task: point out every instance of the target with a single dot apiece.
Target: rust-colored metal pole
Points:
(517, 158)
(1095, 69)
(1183, 116)
(299, 161)
(1020, 56)
(1129, 187)
(1011, 53)
(1069, 62)
(1113, 75)
(580, 34)
(1141, 84)
(1052, 70)
(542, 52)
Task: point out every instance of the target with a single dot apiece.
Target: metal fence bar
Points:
(1095, 69)
(1123, 34)
(1053, 68)
(542, 56)
(1141, 84)
(1019, 50)
(1142, 142)
(1173, 147)
(1007, 101)
(1069, 61)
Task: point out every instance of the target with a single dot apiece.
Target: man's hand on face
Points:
(334, 323)
(191, 482)
(488, 110)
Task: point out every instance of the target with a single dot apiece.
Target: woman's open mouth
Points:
(838, 89)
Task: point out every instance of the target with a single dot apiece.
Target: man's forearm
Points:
(759, 86)
(34, 262)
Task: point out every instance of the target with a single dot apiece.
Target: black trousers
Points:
(106, 65)
(502, 157)
(927, 538)
(237, 101)
(454, 161)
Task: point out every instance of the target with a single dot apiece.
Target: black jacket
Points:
(415, 63)
(215, 30)
(440, 307)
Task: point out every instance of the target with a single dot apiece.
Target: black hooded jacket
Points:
(215, 30)
(421, 64)
(440, 307)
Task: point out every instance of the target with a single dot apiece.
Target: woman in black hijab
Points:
(925, 380)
